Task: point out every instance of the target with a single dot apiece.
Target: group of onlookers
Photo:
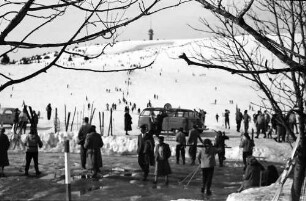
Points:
(267, 124)
(90, 147)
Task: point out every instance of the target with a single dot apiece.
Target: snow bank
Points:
(261, 193)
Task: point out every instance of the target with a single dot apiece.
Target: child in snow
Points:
(162, 153)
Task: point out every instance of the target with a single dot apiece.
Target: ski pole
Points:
(195, 172)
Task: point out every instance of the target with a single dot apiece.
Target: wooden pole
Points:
(55, 121)
(100, 126)
(91, 115)
(77, 123)
(110, 129)
(67, 125)
(102, 123)
(67, 170)
(83, 111)
(73, 119)
(65, 116)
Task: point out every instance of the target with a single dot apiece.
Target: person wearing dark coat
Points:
(192, 140)
(251, 177)
(49, 111)
(81, 140)
(145, 151)
(16, 120)
(220, 145)
(4, 146)
(162, 153)
(239, 118)
(93, 144)
(32, 142)
(127, 121)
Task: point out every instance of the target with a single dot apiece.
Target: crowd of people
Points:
(149, 154)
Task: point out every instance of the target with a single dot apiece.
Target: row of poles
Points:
(91, 115)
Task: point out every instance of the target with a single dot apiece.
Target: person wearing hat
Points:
(180, 139)
(206, 157)
(4, 146)
(32, 142)
(162, 153)
(192, 140)
(93, 144)
(81, 140)
(145, 150)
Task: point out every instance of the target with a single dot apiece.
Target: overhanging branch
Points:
(236, 71)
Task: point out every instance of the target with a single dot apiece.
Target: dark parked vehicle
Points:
(170, 119)
(7, 115)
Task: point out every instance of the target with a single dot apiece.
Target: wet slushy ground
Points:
(120, 179)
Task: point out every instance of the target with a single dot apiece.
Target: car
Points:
(165, 119)
(7, 115)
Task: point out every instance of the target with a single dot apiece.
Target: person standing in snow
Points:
(217, 117)
(247, 148)
(226, 118)
(267, 120)
(93, 144)
(162, 153)
(49, 111)
(246, 121)
(239, 117)
(127, 121)
(206, 157)
(85, 128)
(192, 140)
(220, 145)
(260, 124)
(145, 151)
(23, 120)
(4, 146)
(32, 142)
(180, 139)
(16, 120)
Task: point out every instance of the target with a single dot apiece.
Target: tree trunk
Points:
(300, 164)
